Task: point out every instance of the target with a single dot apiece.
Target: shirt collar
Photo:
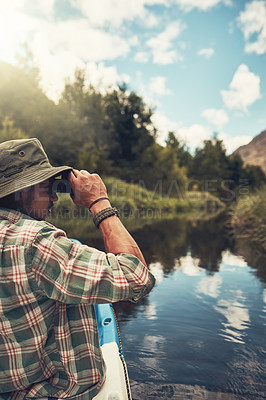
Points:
(12, 215)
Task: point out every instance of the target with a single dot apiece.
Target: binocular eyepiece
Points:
(61, 184)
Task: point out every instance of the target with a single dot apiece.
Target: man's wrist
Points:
(97, 200)
(99, 206)
(104, 214)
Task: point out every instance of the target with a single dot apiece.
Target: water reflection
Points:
(198, 330)
(201, 331)
(254, 257)
(189, 265)
(210, 285)
(171, 240)
(237, 319)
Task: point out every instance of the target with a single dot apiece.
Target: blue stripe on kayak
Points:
(106, 324)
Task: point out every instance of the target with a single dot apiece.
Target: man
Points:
(49, 347)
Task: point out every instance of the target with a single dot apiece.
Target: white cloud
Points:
(194, 135)
(218, 118)
(97, 74)
(164, 125)
(40, 8)
(59, 51)
(244, 89)
(162, 46)
(102, 13)
(204, 5)
(59, 47)
(232, 143)
(158, 85)
(252, 22)
(103, 77)
(16, 28)
(142, 57)
(207, 52)
(84, 42)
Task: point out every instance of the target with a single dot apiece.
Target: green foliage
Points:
(220, 174)
(184, 158)
(253, 175)
(116, 136)
(112, 133)
(249, 218)
(128, 120)
(9, 132)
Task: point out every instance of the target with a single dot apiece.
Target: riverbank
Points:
(249, 219)
(137, 206)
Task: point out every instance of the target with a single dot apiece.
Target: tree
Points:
(27, 64)
(184, 157)
(223, 175)
(129, 130)
(211, 168)
(9, 132)
(253, 176)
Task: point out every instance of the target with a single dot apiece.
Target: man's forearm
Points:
(116, 237)
(90, 191)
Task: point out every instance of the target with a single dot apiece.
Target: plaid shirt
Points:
(49, 345)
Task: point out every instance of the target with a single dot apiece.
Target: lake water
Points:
(200, 334)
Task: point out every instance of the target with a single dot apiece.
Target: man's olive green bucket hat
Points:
(24, 163)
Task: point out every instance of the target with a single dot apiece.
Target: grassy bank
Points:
(137, 207)
(249, 219)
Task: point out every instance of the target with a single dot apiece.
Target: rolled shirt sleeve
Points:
(72, 273)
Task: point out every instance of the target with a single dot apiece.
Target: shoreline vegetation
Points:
(113, 133)
(249, 220)
(137, 207)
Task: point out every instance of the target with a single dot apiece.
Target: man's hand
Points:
(89, 187)
(86, 187)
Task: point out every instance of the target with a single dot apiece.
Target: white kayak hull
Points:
(116, 385)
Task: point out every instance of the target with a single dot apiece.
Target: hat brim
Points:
(30, 178)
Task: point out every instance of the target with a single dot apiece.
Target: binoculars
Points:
(61, 184)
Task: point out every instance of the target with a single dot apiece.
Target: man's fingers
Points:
(84, 172)
(72, 176)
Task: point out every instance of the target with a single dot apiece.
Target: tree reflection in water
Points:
(169, 240)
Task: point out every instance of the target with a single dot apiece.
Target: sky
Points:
(200, 64)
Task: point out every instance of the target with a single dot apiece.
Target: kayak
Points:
(116, 385)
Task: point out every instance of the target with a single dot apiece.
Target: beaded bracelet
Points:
(103, 214)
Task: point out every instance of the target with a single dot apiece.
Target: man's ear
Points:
(26, 197)
(22, 198)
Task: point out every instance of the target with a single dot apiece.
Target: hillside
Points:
(254, 153)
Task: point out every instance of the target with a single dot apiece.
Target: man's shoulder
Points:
(22, 228)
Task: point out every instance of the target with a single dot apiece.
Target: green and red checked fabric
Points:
(49, 345)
